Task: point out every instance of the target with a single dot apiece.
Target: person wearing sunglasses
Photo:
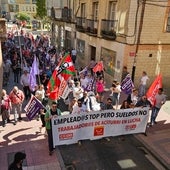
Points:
(143, 102)
(108, 105)
(79, 108)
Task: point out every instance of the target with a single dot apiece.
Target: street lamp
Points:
(3, 36)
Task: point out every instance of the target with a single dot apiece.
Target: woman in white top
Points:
(40, 93)
(143, 82)
(78, 91)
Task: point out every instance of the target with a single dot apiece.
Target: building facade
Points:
(129, 33)
(9, 8)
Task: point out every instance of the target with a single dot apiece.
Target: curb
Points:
(153, 152)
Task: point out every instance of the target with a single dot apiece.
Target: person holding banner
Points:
(133, 97)
(143, 102)
(125, 105)
(49, 115)
(79, 108)
(108, 105)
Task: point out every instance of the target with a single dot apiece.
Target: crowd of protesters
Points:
(86, 88)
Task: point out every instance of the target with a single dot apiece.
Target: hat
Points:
(71, 81)
(91, 93)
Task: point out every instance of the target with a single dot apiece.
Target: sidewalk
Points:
(28, 137)
(157, 140)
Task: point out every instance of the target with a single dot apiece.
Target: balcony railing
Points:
(63, 14)
(66, 14)
(91, 26)
(81, 24)
(108, 29)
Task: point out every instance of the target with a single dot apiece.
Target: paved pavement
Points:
(158, 137)
(28, 136)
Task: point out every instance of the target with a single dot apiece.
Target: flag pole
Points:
(39, 80)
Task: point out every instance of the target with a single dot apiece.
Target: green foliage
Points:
(22, 16)
(41, 9)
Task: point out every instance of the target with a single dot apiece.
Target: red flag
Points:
(57, 82)
(98, 67)
(154, 89)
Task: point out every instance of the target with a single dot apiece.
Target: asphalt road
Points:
(115, 154)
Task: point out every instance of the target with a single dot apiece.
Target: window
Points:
(95, 10)
(168, 23)
(33, 9)
(112, 15)
(13, 8)
(112, 10)
(83, 10)
(12, 2)
(34, 1)
(27, 1)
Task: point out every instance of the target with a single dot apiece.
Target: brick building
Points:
(133, 33)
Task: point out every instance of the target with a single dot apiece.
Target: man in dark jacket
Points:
(18, 160)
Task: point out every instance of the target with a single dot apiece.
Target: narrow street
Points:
(115, 154)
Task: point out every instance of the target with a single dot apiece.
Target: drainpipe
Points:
(138, 38)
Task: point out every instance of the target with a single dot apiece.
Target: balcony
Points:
(66, 14)
(91, 27)
(80, 24)
(63, 14)
(108, 28)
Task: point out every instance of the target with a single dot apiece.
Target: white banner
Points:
(65, 92)
(69, 129)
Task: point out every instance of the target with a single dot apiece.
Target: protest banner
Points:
(33, 107)
(127, 85)
(69, 129)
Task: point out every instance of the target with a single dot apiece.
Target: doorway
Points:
(93, 53)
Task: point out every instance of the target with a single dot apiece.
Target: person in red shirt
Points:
(100, 85)
(17, 97)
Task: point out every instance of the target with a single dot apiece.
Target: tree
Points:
(41, 9)
(22, 16)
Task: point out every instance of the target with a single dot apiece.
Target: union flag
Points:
(98, 67)
(64, 70)
(153, 89)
